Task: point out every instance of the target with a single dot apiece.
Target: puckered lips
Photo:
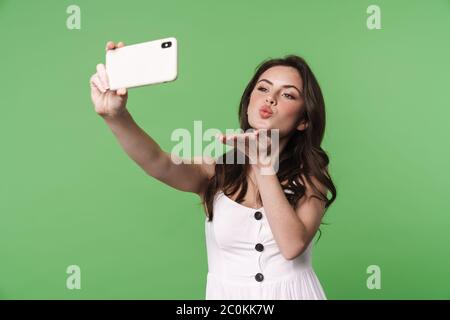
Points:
(265, 112)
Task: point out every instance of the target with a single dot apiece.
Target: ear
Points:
(302, 125)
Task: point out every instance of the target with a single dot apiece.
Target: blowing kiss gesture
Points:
(261, 146)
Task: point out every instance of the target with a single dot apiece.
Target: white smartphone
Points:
(142, 64)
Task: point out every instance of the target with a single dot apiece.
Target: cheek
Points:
(255, 100)
(254, 96)
(290, 110)
(288, 115)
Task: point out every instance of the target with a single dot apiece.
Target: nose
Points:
(270, 100)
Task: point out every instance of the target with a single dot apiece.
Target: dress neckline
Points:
(240, 205)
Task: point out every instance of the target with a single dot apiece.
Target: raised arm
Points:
(140, 147)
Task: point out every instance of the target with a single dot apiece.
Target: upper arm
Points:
(310, 209)
(191, 175)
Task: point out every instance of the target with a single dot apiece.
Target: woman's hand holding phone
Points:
(108, 103)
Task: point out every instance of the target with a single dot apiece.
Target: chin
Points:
(260, 125)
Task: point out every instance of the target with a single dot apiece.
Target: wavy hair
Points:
(302, 155)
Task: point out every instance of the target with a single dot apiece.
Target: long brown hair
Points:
(302, 154)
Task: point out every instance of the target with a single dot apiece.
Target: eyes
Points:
(290, 97)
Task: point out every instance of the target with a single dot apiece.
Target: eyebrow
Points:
(285, 86)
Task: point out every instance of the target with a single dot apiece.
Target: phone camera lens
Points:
(166, 44)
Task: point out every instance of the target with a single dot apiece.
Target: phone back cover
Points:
(142, 64)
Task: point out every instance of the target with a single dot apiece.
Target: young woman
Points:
(259, 225)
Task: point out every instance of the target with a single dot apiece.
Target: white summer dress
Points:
(245, 263)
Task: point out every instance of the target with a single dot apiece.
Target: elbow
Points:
(294, 251)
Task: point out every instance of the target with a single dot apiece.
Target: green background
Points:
(70, 195)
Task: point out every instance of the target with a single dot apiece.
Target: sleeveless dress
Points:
(245, 263)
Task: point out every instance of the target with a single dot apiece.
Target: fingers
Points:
(110, 45)
(101, 72)
(96, 83)
(93, 84)
(121, 91)
(235, 136)
(231, 139)
(99, 81)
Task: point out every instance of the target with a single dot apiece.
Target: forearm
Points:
(287, 228)
(137, 144)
